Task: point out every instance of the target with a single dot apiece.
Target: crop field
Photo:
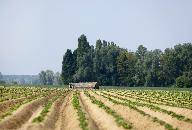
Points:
(35, 108)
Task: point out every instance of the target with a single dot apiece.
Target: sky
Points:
(34, 34)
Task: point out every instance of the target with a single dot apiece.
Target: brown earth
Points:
(182, 111)
(51, 118)
(91, 123)
(68, 118)
(7, 104)
(139, 121)
(29, 122)
(167, 118)
(21, 115)
(103, 120)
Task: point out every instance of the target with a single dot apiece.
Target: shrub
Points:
(184, 81)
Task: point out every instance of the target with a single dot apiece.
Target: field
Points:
(35, 108)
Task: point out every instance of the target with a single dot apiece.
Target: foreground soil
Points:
(63, 116)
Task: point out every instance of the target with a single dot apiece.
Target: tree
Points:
(57, 78)
(140, 74)
(184, 81)
(49, 77)
(109, 64)
(42, 77)
(1, 76)
(68, 67)
(152, 67)
(85, 52)
(126, 68)
(97, 61)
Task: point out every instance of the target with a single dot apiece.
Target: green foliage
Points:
(46, 77)
(42, 77)
(111, 65)
(184, 81)
(2, 82)
(84, 61)
(126, 68)
(68, 67)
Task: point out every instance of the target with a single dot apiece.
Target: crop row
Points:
(170, 98)
(152, 107)
(118, 118)
(82, 119)
(132, 106)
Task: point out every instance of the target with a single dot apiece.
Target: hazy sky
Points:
(34, 34)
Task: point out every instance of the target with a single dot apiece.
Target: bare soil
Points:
(51, 118)
(68, 118)
(29, 122)
(139, 121)
(168, 119)
(4, 106)
(91, 123)
(21, 115)
(103, 120)
(182, 111)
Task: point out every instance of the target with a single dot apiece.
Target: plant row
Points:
(152, 107)
(131, 106)
(81, 115)
(118, 118)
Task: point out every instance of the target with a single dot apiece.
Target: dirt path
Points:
(68, 119)
(139, 121)
(22, 115)
(182, 111)
(103, 120)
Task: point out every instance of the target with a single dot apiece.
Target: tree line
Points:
(111, 65)
(48, 77)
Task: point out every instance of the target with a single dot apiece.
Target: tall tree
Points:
(1, 76)
(140, 74)
(42, 77)
(68, 67)
(49, 77)
(57, 78)
(84, 60)
(152, 68)
(126, 68)
(109, 64)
